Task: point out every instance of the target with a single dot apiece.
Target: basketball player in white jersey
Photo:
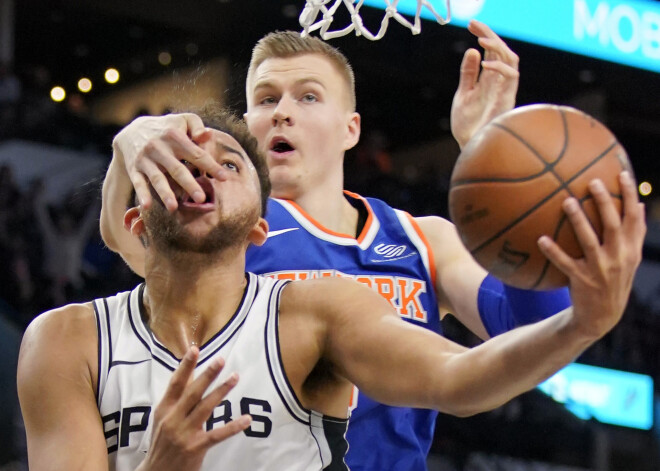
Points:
(91, 374)
(301, 107)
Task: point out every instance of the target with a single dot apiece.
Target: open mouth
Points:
(280, 145)
(185, 200)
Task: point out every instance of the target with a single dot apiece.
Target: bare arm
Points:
(56, 387)
(143, 152)
(480, 97)
(400, 364)
(116, 193)
(458, 275)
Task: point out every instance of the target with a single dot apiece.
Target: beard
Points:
(169, 236)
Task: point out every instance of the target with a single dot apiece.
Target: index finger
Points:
(194, 124)
(494, 46)
(184, 148)
(181, 376)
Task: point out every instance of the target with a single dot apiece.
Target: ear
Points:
(259, 233)
(353, 130)
(133, 222)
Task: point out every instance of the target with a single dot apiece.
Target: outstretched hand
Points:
(153, 146)
(179, 440)
(601, 281)
(481, 97)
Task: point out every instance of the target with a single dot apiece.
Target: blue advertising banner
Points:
(621, 31)
(609, 396)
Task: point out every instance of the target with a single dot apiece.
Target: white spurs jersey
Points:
(135, 369)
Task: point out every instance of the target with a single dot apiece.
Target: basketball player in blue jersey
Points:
(301, 108)
(109, 384)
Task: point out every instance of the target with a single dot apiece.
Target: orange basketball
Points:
(509, 183)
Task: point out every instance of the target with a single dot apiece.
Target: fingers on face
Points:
(194, 124)
(165, 155)
(142, 191)
(160, 184)
(183, 148)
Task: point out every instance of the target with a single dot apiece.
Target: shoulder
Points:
(435, 225)
(70, 321)
(440, 233)
(60, 341)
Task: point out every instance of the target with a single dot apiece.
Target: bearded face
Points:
(169, 235)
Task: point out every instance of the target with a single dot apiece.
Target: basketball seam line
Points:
(543, 201)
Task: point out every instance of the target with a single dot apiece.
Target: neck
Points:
(190, 297)
(328, 205)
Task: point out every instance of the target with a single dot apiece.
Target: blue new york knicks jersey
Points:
(391, 256)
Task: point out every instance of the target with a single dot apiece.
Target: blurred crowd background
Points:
(53, 156)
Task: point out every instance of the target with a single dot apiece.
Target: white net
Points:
(310, 21)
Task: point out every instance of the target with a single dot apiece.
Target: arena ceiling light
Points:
(111, 75)
(84, 85)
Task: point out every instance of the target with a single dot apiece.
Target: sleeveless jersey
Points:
(392, 256)
(135, 369)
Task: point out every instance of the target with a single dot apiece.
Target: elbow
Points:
(467, 400)
(461, 409)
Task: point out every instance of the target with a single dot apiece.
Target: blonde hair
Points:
(285, 44)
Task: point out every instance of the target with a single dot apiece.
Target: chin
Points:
(284, 188)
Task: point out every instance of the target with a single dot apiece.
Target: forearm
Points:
(116, 192)
(502, 307)
(496, 371)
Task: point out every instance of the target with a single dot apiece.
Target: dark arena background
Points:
(169, 55)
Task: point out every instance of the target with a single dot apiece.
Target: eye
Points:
(309, 98)
(230, 165)
(269, 100)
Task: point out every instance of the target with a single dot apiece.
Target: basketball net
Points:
(314, 8)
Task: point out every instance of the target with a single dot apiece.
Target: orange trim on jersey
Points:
(370, 215)
(429, 249)
(318, 225)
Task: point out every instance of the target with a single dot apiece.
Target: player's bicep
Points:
(56, 392)
(458, 275)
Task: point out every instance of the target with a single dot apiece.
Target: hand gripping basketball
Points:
(510, 181)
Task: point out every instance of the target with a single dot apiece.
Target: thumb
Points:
(470, 67)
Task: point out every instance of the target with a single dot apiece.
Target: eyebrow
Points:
(300, 81)
(226, 148)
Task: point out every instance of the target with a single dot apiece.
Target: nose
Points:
(198, 173)
(282, 112)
